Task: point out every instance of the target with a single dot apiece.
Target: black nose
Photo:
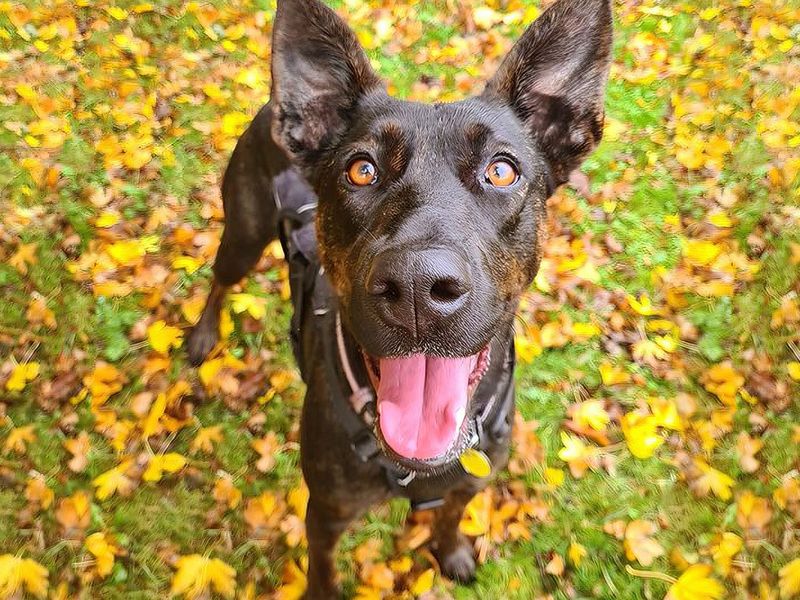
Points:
(417, 289)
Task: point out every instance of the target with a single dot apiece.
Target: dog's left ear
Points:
(554, 79)
(319, 72)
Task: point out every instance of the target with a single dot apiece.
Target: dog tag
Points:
(476, 463)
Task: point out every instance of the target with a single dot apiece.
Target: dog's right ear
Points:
(319, 72)
(554, 79)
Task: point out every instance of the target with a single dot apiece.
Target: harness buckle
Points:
(365, 445)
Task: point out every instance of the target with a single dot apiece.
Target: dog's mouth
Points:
(423, 401)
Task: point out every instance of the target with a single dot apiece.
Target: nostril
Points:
(447, 290)
(386, 289)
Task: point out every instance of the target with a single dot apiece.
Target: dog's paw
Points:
(459, 564)
(200, 342)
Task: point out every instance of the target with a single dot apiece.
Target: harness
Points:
(354, 403)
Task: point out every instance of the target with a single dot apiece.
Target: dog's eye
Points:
(362, 172)
(501, 173)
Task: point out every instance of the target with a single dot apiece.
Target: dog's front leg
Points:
(324, 525)
(452, 548)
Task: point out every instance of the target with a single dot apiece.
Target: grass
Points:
(169, 76)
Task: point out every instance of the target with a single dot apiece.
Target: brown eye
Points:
(362, 172)
(501, 173)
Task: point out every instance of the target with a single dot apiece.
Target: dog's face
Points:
(430, 216)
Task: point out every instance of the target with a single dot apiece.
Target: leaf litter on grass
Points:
(656, 446)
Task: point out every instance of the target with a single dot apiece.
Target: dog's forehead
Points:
(442, 122)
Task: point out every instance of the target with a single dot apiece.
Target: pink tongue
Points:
(422, 401)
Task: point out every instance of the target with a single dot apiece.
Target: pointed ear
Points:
(319, 71)
(554, 79)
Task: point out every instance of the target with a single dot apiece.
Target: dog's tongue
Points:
(422, 401)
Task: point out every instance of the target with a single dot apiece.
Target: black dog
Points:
(406, 276)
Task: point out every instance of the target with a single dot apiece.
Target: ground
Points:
(656, 450)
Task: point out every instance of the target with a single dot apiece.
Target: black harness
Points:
(354, 403)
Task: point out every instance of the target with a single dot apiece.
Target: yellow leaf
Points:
(233, 124)
(163, 463)
(18, 438)
(113, 480)
(18, 574)
(107, 219)
(528, 346)
(38, 313)
(111, 289)
(700, 253)
(584, 331)
(423, 583)
(225, 325)
(477, 515)
(21, 375)
(162, 337)
(612, 375)
(294, 582)
(104, 381)
(790, 579)
(554, 477)
(225, 492)
(205, 439)
(721, 220)
(195, 574)
(126, 252)
(576, 553)
(192, 308)
(723, 551)
(280, 380)
(151, 423)
(103, 551)
(591, 413)
(476, 463)
(208, 370)
(190, 264)
(248, 303)
(712, 480)
(37, 492)
(297, 499)
(24, 256)
(696, 584)
(643, 305)
(665, 413)
(794, 370)
(724, 381)
(641, 434)
(575, 453)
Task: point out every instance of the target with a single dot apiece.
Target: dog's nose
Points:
(416, 289)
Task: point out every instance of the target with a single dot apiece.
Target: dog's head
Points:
(430, 216)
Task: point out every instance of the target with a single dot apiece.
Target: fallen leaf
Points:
(171, 462)
(162, 337)
(790, 579)
(696, 583)
(18, 574)
(639, 544)
(195, 575)
(21, 376)
(104, 552)
(113, 481)
(79, 448)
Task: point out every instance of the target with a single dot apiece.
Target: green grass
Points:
(639, 186)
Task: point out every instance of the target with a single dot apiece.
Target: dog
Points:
(411, 231)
